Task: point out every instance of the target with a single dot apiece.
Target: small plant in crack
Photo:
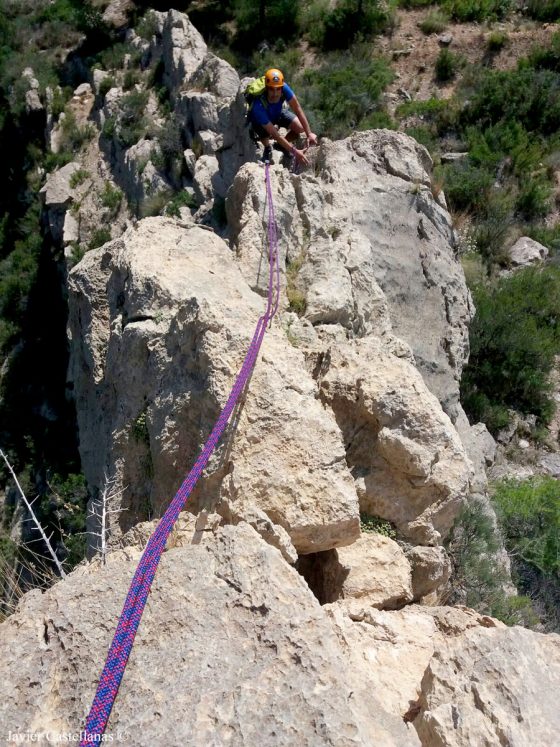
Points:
(376, 525)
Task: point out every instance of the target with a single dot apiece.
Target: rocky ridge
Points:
(353, 408)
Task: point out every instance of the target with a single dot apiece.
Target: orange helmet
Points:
(273, 78)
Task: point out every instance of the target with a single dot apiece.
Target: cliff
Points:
(274, 618)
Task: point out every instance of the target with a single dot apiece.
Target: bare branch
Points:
(37, 523)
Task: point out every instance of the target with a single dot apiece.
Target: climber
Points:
(267, 113)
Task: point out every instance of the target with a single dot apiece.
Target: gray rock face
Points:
(375, 248)
(407, 459)
(527, 251)
(491, 687)
(160, 322)
(232, 648)
(57, 196)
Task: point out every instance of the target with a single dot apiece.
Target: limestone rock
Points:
(57, 191)
(184, 50)
(392, 650)
(407, 459)
(205, 169)
(492, 686)
(160, 322)
(33, 103)
(57, 195)
(230, 629)
(339, 221)
(222, 78)
(527, 251)
(116, 13)
(373, 569)
(431, 569)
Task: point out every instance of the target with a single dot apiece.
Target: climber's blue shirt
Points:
(262, 115)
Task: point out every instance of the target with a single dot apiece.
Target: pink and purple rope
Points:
(133, 608)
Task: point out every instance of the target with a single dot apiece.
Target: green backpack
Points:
(254, 90)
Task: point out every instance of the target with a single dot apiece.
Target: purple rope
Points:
(133, 608)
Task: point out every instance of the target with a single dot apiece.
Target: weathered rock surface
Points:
(431, 569)
(375, 248)
(373, 569)
(527, 251)
(393, 649)
(160, 321)
(232, 649)
(407, 459)
(492, 686)
(462, 678)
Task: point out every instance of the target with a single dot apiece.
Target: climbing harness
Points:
(131, 614)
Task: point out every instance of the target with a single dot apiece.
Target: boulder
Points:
(340, 220)
(205, 170)
(57, 195)
(33, 103)
(116, 13)
(492, 686)
(408, 462)
(391, 651)
(431, 569)
(373, 569)
(184, 51)
(527, 251)
(230, 630)
(160, 322)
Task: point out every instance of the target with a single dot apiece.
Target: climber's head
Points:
(274, 80)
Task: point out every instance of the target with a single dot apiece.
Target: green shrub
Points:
(60, 98)
(466, 186)
(18, 273)
(447, 65)
(256, 20)
(147, 26)
(74, 137)
(479, 577)
(106, 84)
(153, 205)
(528, 96)
(113, 57)
(543, 10)
(111, 198)
(466, 11)
(179, 200)
(549, 236)
(131, 78)
(415, 3)
(344, 91)
(434, 23)
(513, 340)
(497, 40)
(350, 19)
(100, 236)
(375, 525)
(491, 227)
(425, 136)
(65, 507)
(78, 177)
(170, 142)
(132, 125)
(533, 201)
(529, 515)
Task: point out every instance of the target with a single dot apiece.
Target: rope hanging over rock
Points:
(135, 602)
